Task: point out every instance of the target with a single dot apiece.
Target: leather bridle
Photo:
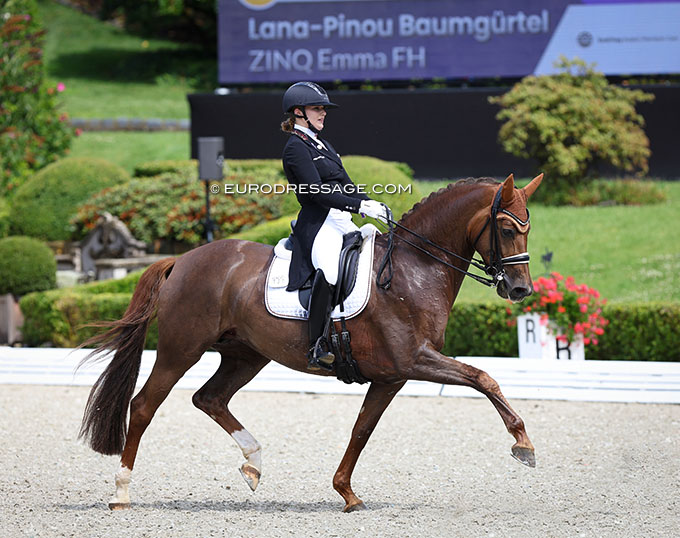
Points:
(496, 266)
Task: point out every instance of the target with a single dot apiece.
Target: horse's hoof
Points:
(524, 455)
(251, 475)
(119, 506)
(355, 507)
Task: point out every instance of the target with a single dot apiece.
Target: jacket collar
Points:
(327, 152)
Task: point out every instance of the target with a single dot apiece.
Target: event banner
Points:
(263, 41)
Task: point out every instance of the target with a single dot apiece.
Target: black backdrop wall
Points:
(439, 133)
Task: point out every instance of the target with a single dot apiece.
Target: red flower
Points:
(570, 308)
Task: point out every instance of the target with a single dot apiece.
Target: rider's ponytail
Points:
(288, 124)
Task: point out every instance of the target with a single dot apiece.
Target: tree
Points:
(33, 132)
(573, 121)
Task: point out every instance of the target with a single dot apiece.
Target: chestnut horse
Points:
(213, 297)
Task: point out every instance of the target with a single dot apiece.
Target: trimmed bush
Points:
(476, 329)
(126, 284)
(33, 131)
(45, 204)
(637, 331)
(570, 123)
(370, 171)
(269, 232)
(172, 206)
(61, 317)
(256, 166)
(156, 168)
(26, 265)
(640, 332)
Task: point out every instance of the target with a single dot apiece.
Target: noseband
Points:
(496, 266)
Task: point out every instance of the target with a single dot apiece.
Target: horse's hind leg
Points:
(238, 367)
(431, 365)
(143, 406)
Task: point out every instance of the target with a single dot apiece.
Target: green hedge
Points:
(476, 329)
(58, 317)
(645, 331)
(26, 265)
(269, 232)
(45, 204)
(156, 168)
(370, 171)
(638, 332)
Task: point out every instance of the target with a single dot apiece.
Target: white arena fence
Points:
(597, 381)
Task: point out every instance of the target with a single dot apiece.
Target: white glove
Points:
(374, 209)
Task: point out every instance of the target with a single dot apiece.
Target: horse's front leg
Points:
(430, 365)
(377, 399)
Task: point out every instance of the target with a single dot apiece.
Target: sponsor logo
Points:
(258, 4)
(585, 39)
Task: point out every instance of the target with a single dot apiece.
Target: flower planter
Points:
(537, 340)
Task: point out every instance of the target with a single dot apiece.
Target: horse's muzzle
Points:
(509, 290)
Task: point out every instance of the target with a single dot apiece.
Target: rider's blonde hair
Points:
(288, 124)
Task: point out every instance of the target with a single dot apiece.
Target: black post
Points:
(210, 167)
(208, 222)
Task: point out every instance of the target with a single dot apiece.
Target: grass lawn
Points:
(128, 149)
(628, 253)
(109, 73)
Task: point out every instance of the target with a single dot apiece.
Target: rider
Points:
(328, 197)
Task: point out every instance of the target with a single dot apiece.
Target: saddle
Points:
(347, 270)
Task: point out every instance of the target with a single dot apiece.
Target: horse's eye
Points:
(508, 232)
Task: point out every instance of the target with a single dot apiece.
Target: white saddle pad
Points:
(285, 304)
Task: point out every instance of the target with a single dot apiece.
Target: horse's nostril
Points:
(518, 293)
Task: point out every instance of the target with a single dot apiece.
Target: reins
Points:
(495, 269)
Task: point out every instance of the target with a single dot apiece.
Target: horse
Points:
(213, 297)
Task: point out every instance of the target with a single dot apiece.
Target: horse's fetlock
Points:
(198, 401)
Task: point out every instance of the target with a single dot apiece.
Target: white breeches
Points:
(328, 243)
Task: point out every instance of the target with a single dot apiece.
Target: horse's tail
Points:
(104, 424)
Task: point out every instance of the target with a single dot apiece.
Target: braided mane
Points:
(451, 186)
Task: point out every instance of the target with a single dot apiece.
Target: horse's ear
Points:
(508, 190)
(533, 185)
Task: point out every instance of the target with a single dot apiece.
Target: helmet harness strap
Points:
(304, 117)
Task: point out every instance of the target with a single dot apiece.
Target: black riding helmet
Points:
(302, 94)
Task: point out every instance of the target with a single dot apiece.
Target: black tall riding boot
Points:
(320, 308)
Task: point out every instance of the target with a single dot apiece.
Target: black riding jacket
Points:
(322, 183)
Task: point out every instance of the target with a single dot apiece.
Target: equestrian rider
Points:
(328, 197)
